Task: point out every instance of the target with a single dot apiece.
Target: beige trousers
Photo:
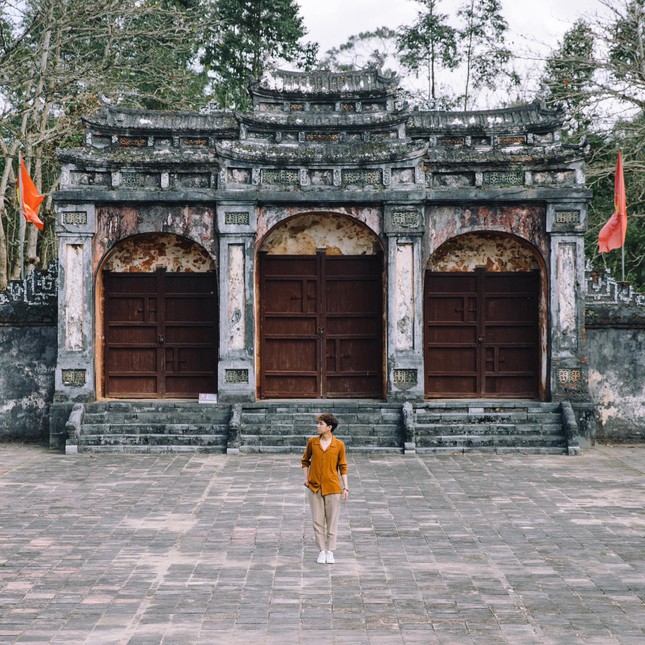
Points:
(325, 511)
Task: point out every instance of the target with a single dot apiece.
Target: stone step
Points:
(351, 431)
(207, 440)
(550, 440)
(351, 442)
(522, 429)
(492, 417)
(151, 448)
(152, 418)
(501, 404)
(528, 450)
(154, 429)
(164, 414)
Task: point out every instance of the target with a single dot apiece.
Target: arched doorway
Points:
(485, 319)
(321, 310)
(160, 319)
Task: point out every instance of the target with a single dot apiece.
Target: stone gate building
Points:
(329, 244)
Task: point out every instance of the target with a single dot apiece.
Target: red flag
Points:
(30, 198)
(612, 235)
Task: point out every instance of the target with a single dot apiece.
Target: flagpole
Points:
(21, 229)
(622, 232)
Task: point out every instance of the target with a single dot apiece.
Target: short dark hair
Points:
(329, 419)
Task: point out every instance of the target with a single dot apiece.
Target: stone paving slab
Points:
(449, 549)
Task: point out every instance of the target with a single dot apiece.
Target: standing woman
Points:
(323, 460)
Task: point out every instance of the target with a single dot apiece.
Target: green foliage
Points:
(483, 39)
(247, 36)
(60, 59)
(430, 44)
(568, 75)
(597, 73)
(601, 175)
(375, 49)
(627, 53)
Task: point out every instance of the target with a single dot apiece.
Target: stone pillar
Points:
(74, 375)
(237, 225)
(566, 224)
(404, 230)
(75, 366)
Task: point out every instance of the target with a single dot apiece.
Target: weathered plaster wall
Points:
(494, 252)
(616, 382)
(616, 350)
(148, 252)
(303, 234)
(28, 339)
(446, 222)
(270, 216)
(116, 222)
(615, 330)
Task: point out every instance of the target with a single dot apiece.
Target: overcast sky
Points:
(331, 22)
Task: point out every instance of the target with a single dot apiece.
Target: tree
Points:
(377, 48)
(430, 44)
(603, 63)
(247, 37)
(485, 54)
(568, 75)
(61, 58)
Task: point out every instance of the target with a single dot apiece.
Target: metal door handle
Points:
(160, 340)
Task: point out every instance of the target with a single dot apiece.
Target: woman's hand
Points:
(345, 494)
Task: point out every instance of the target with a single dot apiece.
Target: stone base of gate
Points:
(285, 426)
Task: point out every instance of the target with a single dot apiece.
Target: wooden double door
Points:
(481, 334)
(161, 333)
(321, 326)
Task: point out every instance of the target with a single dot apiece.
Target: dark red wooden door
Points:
(161, 334)
(321, 326)
(481, 334)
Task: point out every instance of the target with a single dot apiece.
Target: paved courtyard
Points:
(450, 549)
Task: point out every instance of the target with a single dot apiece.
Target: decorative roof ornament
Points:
(360, 83)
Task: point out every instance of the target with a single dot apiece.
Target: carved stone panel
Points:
(404, 296)
(236, 299)
(566, 285)
(74, 297)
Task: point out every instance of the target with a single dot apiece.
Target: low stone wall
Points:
(615, 324)
(28, 339)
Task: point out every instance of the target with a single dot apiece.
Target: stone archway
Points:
(321, 309)
(158, 306)
(485, 322)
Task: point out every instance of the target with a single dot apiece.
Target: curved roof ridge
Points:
(526, 114)
(363, 81)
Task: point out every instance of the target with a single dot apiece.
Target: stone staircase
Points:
(285, 426)
(490, 426)
(153, 426)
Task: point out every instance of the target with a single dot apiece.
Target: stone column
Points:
(566, 224)
(74, 375)
(237, 224)
(75, 366)
(404, 230)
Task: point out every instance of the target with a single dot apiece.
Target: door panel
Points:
(490, 347)
(160, 334)
(321, 326)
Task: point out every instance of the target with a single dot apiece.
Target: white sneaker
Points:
(322, 557)
(330, 557)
